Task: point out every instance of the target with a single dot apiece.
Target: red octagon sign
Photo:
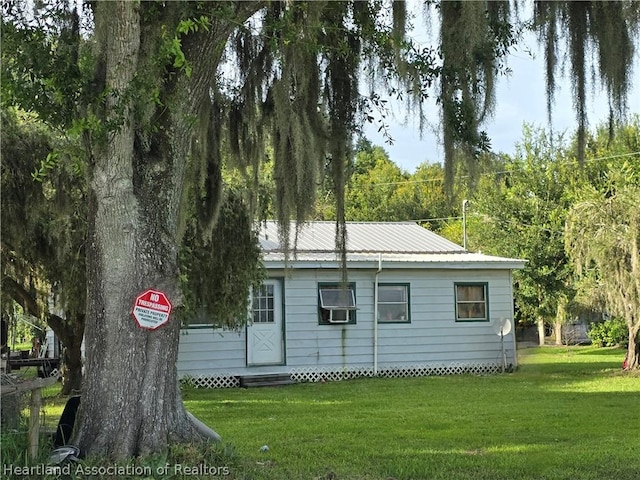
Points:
(151, 309)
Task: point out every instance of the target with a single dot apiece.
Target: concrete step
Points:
(265, 380)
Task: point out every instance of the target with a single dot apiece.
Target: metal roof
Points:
(404, 244)
(371, 237)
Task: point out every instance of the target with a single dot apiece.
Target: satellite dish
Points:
(502, 327)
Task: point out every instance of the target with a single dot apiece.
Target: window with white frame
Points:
(472, 303)
(336, 303)
(393, 303)
(263, 304)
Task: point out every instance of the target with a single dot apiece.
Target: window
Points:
(471, 302)
(263, 305)
(337, 304)
(393, 303)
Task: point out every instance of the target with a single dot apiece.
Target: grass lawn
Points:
(567, 413)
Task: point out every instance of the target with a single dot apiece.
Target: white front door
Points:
(265, 337)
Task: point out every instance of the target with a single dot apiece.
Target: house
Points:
(414, 304)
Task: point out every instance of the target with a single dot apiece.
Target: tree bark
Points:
(72, 367)
(131, 401)
(560, 320)
(633, 350)
(70, 331)
(557, 332)
(541, 335)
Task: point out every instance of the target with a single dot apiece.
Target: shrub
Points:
(610, 333)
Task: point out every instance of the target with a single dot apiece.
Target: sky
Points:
(520, 99)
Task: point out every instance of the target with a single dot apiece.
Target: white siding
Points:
(432, 337)
(207, 351)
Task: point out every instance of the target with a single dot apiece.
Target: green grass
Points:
(567, 413)
(26, 345)
(52, 402)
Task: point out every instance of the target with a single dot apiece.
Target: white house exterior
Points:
(415, 304)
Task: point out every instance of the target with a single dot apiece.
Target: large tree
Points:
(152, 117)
(520, 211)
(170, 84)
(603, 228)
(603, 233)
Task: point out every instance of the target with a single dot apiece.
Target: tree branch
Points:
(21, 296)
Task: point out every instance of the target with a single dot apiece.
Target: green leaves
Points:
(171, 42)
(44, 62)
(218, 272)
(523, 213)
(610, 333)
(171, 49)
(46, 166)
(192, 25)
(603, 239)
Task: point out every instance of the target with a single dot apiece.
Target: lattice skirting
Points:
(316, 374)
(320, 375)
(207, 381)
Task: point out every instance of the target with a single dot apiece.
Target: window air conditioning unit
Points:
(339, 320)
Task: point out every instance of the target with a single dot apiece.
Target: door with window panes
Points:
(265, 337)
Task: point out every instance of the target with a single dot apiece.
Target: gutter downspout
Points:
(513, 323)
(375, 317)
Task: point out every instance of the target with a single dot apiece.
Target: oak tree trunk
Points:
(131, 402)
(633, 350)
(70, 331)
(72, 368)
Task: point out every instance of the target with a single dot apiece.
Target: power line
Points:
(503, 220)
(495, 219)
(407, 182)
(434, 219)
(500, 172)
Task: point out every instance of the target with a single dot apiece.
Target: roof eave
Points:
(506, 264)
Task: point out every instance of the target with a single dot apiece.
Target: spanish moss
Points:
(474, 37)
(602, 30)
